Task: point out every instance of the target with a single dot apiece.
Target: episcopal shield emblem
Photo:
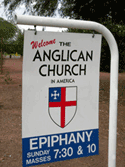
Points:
(62, 104)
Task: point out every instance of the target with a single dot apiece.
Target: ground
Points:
(10, 121)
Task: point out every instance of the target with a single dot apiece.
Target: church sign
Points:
(60, 105)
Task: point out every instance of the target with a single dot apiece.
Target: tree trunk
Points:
(1, 57)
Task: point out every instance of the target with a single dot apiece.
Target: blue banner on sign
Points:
(59, 147)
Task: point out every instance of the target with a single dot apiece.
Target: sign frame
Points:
(90, 25)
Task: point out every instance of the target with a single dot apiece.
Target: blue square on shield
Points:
(55, 94)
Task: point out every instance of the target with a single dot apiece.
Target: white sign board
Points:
(60, 96)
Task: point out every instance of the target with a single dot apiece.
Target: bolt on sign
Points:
(60, 103)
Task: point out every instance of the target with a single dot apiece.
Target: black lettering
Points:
(90, 56)
(67, 69)
(73, 69)
(52, 80)
(58, 56)
(68, 55)
(84, 69)
(46, 55)
(65, 43)
(40, 69)
(51, 70)
(68, 43)
(62, 56)
(71, 55)
(37, 57)
(58, 70)
(81, 56)
(60, 43)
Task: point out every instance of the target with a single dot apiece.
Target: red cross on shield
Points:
(62, 105)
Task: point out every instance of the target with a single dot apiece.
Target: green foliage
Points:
(7, 30)
(18, 43)
(34, 7)
(111, 13)
(119, 34)
(94, 10)
(11, 38)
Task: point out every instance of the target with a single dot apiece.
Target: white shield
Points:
(62, 105)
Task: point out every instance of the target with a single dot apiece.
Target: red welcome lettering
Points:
(36, 44)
